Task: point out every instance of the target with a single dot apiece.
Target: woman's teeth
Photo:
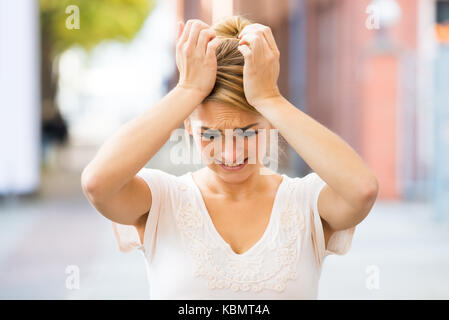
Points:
(233, 165)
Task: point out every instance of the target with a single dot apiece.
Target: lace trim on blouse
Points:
(270, 266)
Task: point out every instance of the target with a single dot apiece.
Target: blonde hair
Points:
(228, 87)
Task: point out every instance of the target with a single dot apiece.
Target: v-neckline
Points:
(273, 214)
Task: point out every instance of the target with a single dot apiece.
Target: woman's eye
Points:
(209, 136)
(249, 133)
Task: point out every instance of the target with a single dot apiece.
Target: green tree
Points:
(99, 20)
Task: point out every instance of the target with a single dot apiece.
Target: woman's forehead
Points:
(220, 116)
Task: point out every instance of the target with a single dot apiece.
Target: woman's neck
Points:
(253, 185)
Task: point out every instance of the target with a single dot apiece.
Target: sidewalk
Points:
(398, 241)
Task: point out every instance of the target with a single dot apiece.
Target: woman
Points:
(233, 229)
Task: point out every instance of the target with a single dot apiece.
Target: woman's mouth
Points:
(234, 167)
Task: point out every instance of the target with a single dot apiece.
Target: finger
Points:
(185, 32)
(197, 26)
(246, 53)
(254, 43)
(270, 40)
(266, 49)
(244, 49)
(179, 29)
(265, 30)
(212, 47)
(248, 29)
(205, 36)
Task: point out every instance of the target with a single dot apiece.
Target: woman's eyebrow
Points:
(243, 129)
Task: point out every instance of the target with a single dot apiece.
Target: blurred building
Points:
(370, 70)
(19, 97)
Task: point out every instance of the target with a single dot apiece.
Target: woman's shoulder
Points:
(305, 186)
(160, 174)
(308, 178)
(290, 179)
(162, 182)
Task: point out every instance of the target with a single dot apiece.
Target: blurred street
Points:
(43, 234)
(374, 72)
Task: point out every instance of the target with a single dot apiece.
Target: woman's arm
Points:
(109, 180)
(351, 187)
(136, 142)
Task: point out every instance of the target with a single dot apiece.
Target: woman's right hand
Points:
(196, 43)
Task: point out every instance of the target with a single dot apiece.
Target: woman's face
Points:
(232, 142)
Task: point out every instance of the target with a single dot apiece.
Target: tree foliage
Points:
(99, 20)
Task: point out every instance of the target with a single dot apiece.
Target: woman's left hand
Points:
(261, 69)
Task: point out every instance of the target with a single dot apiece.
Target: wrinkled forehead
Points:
(220, 116)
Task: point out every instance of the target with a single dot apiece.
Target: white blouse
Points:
(186, 258)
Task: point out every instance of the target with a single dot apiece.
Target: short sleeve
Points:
(127, 236)
(340, 241)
